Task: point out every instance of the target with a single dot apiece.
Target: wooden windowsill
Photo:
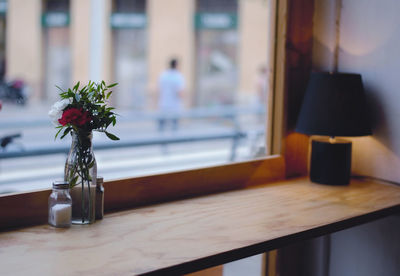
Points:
(193, 234)
(27, 209)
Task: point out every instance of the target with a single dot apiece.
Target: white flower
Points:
(56, 111)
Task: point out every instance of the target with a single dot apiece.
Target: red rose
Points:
(75, 116)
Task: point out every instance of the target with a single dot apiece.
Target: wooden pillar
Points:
(292, 260)
(298, 68)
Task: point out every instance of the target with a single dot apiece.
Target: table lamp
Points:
(334, 105)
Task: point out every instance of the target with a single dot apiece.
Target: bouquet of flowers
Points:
(79, 112)
(84, 109)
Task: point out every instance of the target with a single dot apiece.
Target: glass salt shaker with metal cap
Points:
(99, 198)
(60, 205)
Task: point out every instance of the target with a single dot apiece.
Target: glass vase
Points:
(81, 173)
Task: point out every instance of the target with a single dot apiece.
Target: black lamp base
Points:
(330, 162)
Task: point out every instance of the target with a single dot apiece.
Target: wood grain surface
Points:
(189, 235)
(139, 191)
(299, 46)
(27, 209)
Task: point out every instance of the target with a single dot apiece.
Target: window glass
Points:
(130, 6)
(56, 5)
(217, 50)
(217, 6)
(193, 83)
(129, 54)
(3, 9)
(56, 40)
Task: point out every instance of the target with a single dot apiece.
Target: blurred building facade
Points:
(220, 44)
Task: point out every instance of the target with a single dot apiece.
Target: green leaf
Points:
(112, 85)
(91, 165)
(66, 131)
(76, 86)
(59, 88)
(72, 182)
(70, 93)
(58, 132)
(111, 136)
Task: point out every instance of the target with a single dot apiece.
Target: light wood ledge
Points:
(27, 209)
(189, 235)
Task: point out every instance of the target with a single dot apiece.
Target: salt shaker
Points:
(60, 205)
(99, 198)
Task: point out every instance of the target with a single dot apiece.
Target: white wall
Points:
(370, 45)
(372, 249)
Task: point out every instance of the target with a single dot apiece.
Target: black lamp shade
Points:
(334, 105)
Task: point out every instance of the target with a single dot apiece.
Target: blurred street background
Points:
(37, 172)
(222, 48)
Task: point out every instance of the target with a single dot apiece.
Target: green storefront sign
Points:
(216, 21)
(55, 19)
(128, 20)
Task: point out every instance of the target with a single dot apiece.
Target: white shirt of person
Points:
(171, 84)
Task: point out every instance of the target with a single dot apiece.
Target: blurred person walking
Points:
(170, 101)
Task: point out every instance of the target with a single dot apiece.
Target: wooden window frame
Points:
(24, 209)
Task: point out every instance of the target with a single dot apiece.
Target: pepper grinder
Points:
(99, 198)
